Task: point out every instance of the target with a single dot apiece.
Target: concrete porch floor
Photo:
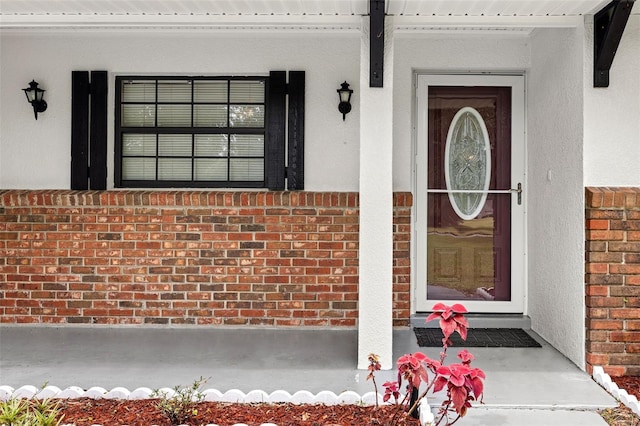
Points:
(523, 386)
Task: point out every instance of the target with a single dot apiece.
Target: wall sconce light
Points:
(34, 96)
(345, 99)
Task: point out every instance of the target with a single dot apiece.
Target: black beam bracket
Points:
(376, 42)
(608, 27)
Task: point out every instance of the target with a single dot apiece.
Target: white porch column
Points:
(375, 323)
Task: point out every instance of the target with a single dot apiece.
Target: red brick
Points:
(294, 323)
(597, 268)
(625, 291)
(597, 359)
(600, 302)
(632, 348)
(599, 257)
(597, 324)
(598, 235)
(332, 297)
(629, 247)
(632, 370)
(624, 336)
(632, 302)
(593, 290)
(598, 224)
(606, 279)
(625, 269)
(598, 313)
(601, 347)
(596, 246)
(614, 370)
(316, 305)
(630, 313)
(597, 336)
(631, 325)
(632, 257)
(251, 313)
(624, 359)
(281, 313)
(118, 251)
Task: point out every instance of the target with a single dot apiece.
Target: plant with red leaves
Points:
(451, 320)
(391, 389)
(463, 383)
(374, 365)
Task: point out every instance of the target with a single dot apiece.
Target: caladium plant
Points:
(461, 382)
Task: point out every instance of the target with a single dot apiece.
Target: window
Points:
(191, 131)
(234, 132)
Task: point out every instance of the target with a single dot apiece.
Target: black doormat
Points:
(479, 337)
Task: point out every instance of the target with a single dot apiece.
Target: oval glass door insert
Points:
(467, 163)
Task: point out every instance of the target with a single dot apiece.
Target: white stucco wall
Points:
(612, 114)
(555, 190)
(36, 154)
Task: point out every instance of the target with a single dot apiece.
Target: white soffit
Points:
(409, 15)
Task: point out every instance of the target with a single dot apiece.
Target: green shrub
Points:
(21, 412)
(180, 407)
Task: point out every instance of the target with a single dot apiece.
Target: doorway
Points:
(470, 192)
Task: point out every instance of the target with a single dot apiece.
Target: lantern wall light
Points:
(34, 96)
(345, 99)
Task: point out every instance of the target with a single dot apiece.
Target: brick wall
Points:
(188, 257)
(612, 278)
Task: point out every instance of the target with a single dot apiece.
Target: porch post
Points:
(375, 322)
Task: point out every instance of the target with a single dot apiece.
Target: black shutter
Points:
(276, 126)
(98, 134)
(88, 130)
(79, 130)
(295, 169)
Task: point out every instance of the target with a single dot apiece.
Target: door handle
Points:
(517, 190)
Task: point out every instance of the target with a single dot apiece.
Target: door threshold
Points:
(479, 321)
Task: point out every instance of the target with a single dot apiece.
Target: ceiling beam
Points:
(376, 42)
(609, 26)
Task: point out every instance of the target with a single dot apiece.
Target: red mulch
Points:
(629, 383)
(87, 411)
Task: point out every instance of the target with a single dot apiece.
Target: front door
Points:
(469, 204)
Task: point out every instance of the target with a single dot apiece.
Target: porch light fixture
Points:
(345, 99)
(34, 96)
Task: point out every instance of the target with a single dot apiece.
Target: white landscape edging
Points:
(604, 380)
(210, 395)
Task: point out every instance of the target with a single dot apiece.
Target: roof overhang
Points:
(345, 15)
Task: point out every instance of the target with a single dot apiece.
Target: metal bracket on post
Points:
(608, 27)
(376, 42)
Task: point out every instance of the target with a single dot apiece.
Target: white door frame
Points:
(518, 162)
